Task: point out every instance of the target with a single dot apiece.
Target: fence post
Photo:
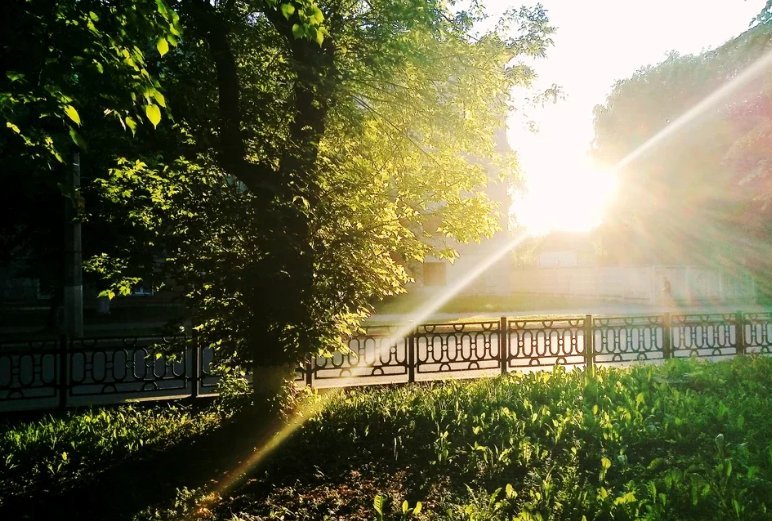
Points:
(589, 345)
(739, 325)
(310, 371)
(195, 377)
(63, 354)
(667, 339)
(411, 356)
(503, 344)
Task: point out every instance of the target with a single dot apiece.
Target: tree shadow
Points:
(153, 478)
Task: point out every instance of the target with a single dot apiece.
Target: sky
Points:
(597, 43)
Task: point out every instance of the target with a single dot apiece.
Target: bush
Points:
(58, 450)
(686, 440)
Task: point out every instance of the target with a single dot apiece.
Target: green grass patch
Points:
(685, 441)
(56, 451)
(688, 440)
(409, 302)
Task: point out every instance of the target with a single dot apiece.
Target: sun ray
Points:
(318, 404)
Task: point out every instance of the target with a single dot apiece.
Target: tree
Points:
(78, 75)
(309, 151)
(702, 194)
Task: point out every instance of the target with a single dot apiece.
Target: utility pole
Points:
(73, 255)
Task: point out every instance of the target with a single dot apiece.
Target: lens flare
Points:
(752, 72)
(317, 404)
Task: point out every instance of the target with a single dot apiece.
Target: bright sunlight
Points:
(566, 193)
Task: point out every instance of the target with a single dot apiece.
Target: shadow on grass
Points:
(149, 478)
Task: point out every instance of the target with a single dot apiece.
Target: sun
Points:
(563, 193)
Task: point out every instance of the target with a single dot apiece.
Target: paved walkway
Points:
(602, 308)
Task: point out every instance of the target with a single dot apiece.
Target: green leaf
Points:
(14, 76)
(132, 124)
(159, 98)
(417, 509)
(297, 31)
(77, 139)
(72, 114)
(153, 114)
(378, 503)
(317, 17)
(162, 45)
(319, 37)
(287, 10)
(13, 127)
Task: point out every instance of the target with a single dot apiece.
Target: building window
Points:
(434, 273)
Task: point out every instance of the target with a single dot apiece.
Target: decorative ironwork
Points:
(209, 378)
(628, 339)
(375, 353)
(49, 372)
(539, 343)
(758, 333)
(131, 365)
(29, 369)
(453, 347)
(708, 335)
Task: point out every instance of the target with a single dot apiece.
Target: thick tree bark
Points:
(278, 288)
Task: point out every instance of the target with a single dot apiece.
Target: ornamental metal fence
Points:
(68, 372)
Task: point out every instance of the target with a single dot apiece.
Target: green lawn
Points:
(56, 452)
(409, 302)
(688, 440)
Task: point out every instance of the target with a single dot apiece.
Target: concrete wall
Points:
(648, 284)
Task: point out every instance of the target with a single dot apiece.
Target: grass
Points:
(55, 452)
(687, 440)
(484, 304)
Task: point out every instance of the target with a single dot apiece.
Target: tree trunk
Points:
(279, 285)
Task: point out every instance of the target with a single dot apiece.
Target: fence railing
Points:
(62, 372)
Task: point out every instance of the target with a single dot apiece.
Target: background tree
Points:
(78, 75)
(702, 194)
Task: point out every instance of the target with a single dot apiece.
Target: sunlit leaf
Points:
(162, 45)
(287, 10)
(317, 17)
(131, 123)
(72, 114)
(153, 114)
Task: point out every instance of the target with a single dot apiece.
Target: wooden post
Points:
(503, 344)
(589, 345)
(667, 336)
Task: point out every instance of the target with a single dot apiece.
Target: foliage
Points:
(686, 440)
(702, 193)
(80, 62)
(77, 76)
(305, 171)
(64, 449)
(280, 164)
